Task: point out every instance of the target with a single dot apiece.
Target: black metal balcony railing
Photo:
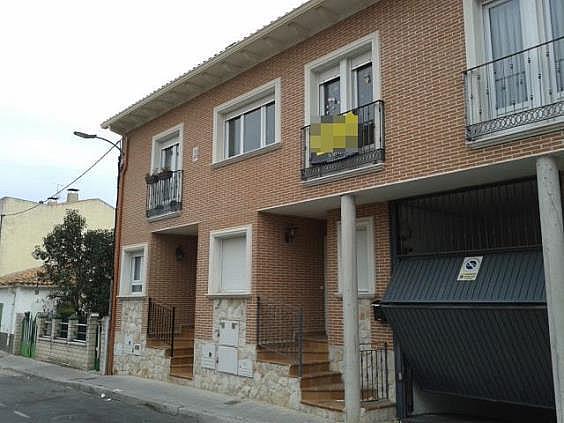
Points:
(520, 89)
(164, 193)
(370, 148)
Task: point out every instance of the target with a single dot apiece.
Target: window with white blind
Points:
(230, 261)
(364, 255)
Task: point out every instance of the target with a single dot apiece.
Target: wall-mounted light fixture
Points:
(179, 254)
(290, 234)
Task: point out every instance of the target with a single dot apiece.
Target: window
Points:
(133, 270)
(167, 150)
(251, 130)
(135, 274)
(497, 30)
(342, 80)
(230, 261)
(514, 55)
(247, 123)
(364, 255)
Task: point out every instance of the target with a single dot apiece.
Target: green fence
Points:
(29, 332)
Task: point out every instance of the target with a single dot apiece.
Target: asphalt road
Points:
(26, 399)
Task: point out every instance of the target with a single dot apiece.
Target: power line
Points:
(66, 186)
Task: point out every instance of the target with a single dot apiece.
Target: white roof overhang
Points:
(281, 34)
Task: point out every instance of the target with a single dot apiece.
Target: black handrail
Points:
(519, 89)
(161, 323)
(280, 329)
(515, 54)
(374, 380)
(369, 148)
(164, 193)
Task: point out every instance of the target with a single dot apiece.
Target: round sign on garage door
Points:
(470, 268)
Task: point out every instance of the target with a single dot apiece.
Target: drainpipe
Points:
(550, 206)
(351, 347)
(117, 242)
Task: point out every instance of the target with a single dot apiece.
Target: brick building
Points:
(237, 239)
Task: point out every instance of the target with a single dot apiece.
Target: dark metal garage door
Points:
(486, 338)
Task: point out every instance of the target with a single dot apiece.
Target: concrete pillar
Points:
(16, 346)
(72, 329)
(351, 353)
(55, 328)
(104, 332)
(91, 339)
(550, 206)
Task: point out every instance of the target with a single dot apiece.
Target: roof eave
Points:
(272, 39)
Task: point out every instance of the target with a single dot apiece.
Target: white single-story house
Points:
(21, 292)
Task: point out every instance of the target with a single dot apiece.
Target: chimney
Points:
(52, 200)
(72, 195)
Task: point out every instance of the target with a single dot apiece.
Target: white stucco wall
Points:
(21, 233)
(25, 300)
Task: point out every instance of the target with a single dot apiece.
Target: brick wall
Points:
(171, 281)
(422, 60)
(291, 273)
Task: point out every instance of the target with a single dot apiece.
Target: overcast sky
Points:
(68, 65)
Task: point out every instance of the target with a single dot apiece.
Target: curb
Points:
(173, 409)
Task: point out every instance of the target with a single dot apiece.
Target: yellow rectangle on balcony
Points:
(334, 134)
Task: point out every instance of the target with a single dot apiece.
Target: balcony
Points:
(164, 193)
(520, 92)
(368, 149)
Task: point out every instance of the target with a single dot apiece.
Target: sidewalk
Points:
(164, 397)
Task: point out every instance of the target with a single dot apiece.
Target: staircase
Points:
(182, 359)
(164, 333)
(320, 386)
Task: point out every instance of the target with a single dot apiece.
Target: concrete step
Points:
(332, 405)
(182, 366)
(320, 378)
(313, 366)
(182, 359)
(276, 357)
(183, 373)
(324, 393)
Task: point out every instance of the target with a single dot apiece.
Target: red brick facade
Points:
(422, 58)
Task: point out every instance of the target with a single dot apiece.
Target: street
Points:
(30, 399)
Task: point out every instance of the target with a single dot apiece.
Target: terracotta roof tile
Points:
(26, 277)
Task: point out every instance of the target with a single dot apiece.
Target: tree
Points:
(79, 264)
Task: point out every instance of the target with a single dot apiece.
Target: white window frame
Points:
(534, 15)
(368, 224)
(162, 141)
(126, 274)
(215, 251)
(342, 63)
(258, 97)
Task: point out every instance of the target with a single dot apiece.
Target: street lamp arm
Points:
(90, 136)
